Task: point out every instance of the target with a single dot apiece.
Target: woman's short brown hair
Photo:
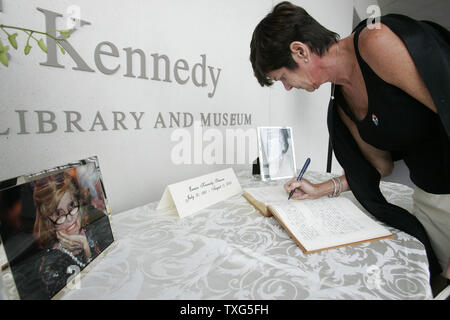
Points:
(269, 48)
(47, 194)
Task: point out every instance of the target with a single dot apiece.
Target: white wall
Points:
(361, 8)
(136, 164)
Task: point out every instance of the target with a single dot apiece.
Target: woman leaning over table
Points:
(390, 101)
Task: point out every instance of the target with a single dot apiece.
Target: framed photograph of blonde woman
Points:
(52, 225)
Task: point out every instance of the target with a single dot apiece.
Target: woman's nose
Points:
(69, 218)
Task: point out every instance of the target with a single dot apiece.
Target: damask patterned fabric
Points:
(230, 251)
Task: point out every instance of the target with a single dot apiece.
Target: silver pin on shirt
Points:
(375, 119)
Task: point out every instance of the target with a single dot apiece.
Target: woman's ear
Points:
(300, 50)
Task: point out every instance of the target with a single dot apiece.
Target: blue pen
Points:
(305, 166)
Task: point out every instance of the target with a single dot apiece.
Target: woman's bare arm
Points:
(389, 58)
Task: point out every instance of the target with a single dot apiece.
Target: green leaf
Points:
(12, 40)
(64, 31)
(1, 46)
(42, 45)
(27, 49)
(4, 59)
(62, 50)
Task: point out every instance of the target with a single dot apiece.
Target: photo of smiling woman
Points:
(64, 228)
(51, 228)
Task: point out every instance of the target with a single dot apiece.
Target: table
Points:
(230, 251)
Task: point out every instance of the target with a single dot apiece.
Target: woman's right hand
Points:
(304, 190)
(74, 243)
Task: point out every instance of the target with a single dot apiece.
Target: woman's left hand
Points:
(74, 242)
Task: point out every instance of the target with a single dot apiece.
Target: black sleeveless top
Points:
(398, 123)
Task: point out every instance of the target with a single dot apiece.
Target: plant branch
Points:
(63, 35)
(2, 26)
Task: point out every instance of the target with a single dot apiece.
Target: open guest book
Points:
(319, 224)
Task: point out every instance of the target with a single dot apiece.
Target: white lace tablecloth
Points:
(230, 251)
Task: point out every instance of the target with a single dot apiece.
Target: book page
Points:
(269, 194)
(325, 222)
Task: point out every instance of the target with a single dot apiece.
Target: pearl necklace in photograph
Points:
(70, 254)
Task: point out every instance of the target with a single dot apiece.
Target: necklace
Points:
(70, 254)
(335, 75)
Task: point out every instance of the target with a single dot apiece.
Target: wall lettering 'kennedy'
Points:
(201, 75)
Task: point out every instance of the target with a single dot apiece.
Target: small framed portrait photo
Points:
(276, 153)
(53, 224)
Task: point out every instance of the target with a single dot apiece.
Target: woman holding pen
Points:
(390, 101)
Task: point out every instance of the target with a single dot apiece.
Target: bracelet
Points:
(336, 194)
(335, 187)
(340, 186)
(337, 190)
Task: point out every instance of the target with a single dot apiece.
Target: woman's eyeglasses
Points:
(62, 216)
